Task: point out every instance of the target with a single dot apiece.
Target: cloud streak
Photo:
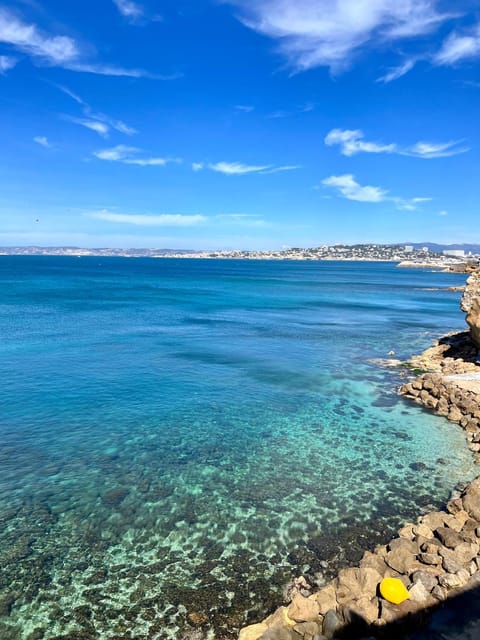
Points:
(331, 33)
(348, 187)
(128, 155)
(104, 122)
(240, 169)
(352, 141)
(57, 50)
(163, 220)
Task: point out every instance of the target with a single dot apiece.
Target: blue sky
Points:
(239, 123)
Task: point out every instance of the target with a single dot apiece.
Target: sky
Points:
(239, 124)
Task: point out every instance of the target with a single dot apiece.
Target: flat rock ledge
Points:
(437, 557)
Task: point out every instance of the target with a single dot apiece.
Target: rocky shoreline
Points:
(437, 557)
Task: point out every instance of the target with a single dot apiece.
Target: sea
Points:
(181, 438)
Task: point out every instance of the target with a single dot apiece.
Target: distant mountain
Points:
(438, 248)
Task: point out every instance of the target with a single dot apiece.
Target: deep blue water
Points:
(180, 438)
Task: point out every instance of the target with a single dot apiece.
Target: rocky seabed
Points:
(436, 558)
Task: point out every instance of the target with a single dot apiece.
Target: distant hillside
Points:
(438, 248)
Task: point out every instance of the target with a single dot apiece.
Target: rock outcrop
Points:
(471, 305)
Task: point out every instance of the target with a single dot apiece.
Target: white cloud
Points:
(238, 168)
(112, 70)
(313, 33)
(198, 166)
(127, 155)
(163, 220)
(244, 108)
(352, 142)
(430, 150)
(459, 47)
(397, 72)
(42, 141)
(55, 50)
(7, 63)
(129, 9)
(28, 38)
(99, 127)
(443, 213)
(352, 190)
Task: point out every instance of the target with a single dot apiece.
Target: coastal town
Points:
(406, 255)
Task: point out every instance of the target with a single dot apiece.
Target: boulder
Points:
(326, 599)
(356, 583)
(428, 581)
(365, 608)
(253, 632)
(304, 609)
(449, 537)
(471, 503)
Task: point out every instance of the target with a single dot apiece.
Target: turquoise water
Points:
(180, 438)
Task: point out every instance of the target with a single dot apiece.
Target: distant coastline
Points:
(429, 256)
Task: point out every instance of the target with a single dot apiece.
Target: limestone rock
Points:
(307, 630)
(253, 632)
(422, 530)
(449, 537)
(428, 581)
(326, 599)
(473, 321)
(365, 608)
(419, 593)
(356, 583)
(471, 503)
(303, 609)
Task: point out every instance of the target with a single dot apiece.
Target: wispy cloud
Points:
(458, 47)
(430, 150)
(104, 121)
(330, 33)
(443, 213)
(352, 141)
(115, 71)
(135, 12)
(56, 50)
(28, 38)
(129, 9)
(162, 220)
(239, 169)
(397, 72)
(128, 155)
(347, 186)
(99, 127)
(42, 141)
(7, 63)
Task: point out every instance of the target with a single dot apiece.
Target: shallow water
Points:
(180, 438)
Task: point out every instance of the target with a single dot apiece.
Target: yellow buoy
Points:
(393, 590)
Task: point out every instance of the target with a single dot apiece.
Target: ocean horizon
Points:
(179, 439)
